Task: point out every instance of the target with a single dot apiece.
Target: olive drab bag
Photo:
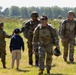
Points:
(25, 31)
(26, 28)
(30, 25)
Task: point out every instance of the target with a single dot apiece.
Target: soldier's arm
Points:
(55, 36)
(24, 26)
(63, 30)
(35, 38)
(11, 44)
(6, 35)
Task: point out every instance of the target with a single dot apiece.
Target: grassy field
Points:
(59, 67)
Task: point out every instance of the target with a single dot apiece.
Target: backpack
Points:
(50, 27)
(27, 28)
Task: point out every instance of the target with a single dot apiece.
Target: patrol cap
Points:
(71, 12)
(1, 24)
(43, 17)
(17, 30)
(34, 13)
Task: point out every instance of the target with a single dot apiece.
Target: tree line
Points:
(25, 12)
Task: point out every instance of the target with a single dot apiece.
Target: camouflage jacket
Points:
(3, 35)
(28, 27)
(45, 36)
(68, 29)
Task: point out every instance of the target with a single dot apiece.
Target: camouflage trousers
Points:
(68, 44)
(45, 53)
(30, 53)
(2, 55)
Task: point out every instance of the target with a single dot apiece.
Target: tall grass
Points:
(59, 67)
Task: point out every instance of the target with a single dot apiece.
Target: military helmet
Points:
(1, 24)
(56, 52)
(34, 13)
(71, 12)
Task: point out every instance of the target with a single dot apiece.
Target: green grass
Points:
(59, 67)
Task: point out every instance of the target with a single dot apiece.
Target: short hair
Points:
(43, 17)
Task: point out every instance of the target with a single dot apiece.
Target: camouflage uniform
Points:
(68, 31)
(30, 25)
(3, 35)
(43, 39)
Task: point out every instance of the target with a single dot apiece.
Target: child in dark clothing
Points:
(16, 43)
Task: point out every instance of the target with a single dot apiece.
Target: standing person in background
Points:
(27, 29)
(68, 32)
(44, 38)
(3, 35)
(16, 44)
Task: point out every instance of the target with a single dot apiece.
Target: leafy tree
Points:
(65, 10)
(75, 11)
(24, 12)
(0, 8)
(56, 11)
(15, 11)
(48, 12)
(59, 17)
(6, 12)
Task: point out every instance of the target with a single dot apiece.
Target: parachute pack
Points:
(30, 25)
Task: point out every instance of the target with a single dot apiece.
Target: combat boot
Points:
(3, 62)
(36, 64)
(4, 65)
(65, 59)
(40, 72)
(30, 63)
(48, 72)
(71, 60)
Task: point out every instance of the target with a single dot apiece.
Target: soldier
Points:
(3, 35)
(27, 29)
(44, 37)
(68, 32)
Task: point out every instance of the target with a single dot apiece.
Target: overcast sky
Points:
(37, 3)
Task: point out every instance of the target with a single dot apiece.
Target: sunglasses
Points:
(43, 19)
